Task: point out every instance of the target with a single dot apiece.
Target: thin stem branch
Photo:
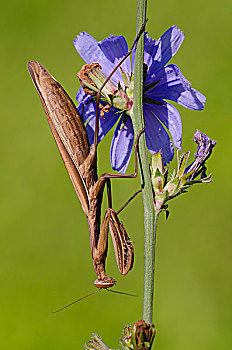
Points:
(150, 216)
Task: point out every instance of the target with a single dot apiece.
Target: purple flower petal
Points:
(115, 48)
(121, 146)
(157, 138)
(170, 118)
(81, 96)
(92, 51)
(105, 124)
(168, 44)
(86, 108)
(150, 49)
(89, 49)
(174, 86)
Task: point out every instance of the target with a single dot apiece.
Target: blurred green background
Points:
(45, 259)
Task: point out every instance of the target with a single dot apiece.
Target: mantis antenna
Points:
(88, 295)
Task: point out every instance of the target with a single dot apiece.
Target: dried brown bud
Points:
(144, 334)
(84, 78)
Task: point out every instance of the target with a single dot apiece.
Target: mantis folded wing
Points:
(81, 163)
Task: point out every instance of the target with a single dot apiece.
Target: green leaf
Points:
(183, 164)
(91, 87)
(124, 77)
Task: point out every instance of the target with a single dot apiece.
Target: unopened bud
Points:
(139, 336)
(184, 176)
(144, 334)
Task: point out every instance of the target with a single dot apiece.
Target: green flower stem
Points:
(150, 215)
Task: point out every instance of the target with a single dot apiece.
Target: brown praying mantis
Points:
(80, 160)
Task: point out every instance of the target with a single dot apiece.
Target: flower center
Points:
(121, 98)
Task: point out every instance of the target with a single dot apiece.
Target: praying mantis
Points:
(80, 160)
(81, 163)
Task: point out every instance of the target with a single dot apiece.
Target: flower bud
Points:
(139, 336)
(184, 176)
(157, 172)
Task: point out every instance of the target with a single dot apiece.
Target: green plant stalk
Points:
(150, 215)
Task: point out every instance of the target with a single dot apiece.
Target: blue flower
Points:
(161, 82)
